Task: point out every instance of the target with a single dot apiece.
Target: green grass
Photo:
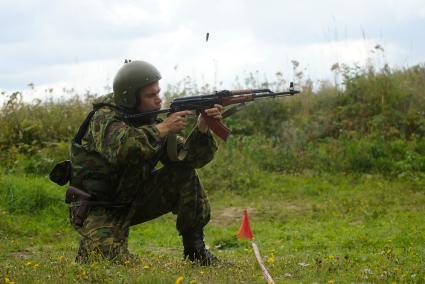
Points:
(325, 229)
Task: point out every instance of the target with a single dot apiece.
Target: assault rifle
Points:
(224, 98)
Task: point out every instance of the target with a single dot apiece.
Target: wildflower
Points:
(36, 265)
(202, 272)
(179, 280)
(146, 266)
(28, 263)
(271, 259)
(61, 258)
(192, 282)
(331, 282)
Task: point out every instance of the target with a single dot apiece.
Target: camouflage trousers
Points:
(170, 189)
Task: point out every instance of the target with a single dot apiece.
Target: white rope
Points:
(266, 274)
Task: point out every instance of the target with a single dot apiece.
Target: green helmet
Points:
(131, 77)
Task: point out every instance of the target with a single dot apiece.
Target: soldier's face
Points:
(149, 98)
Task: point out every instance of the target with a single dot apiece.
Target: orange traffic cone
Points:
(245, 231)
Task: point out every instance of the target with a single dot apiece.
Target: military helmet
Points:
(131, 77)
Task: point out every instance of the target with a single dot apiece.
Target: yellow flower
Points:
(6, 280)
(201, 272)
(61, 258)
(192, 282)
(271, 259)
(28, 263)
(179, 280)
(36, 265)
(331, 282)
(146, 266)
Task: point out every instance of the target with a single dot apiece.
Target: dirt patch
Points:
(25, 254)
(229, 216)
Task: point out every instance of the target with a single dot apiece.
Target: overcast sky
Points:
(81, 44)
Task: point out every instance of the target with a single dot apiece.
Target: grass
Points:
(324, 229)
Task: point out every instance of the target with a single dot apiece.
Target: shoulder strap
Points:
(84, 126)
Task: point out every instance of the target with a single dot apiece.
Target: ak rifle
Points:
(224, 98)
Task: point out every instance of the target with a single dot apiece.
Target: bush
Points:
(26, 195)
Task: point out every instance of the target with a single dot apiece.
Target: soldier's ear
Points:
(138, 96)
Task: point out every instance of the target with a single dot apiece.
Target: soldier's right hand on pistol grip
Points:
(174, 123)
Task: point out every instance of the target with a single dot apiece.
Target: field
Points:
(333, 180)
(310, 228)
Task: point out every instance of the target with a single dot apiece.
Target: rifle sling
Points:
(172, 150)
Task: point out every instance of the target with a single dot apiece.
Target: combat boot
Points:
(195, 250)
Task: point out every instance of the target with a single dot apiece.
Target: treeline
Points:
(373, 121)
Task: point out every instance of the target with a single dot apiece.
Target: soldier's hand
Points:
(174, 123)
(214, 112)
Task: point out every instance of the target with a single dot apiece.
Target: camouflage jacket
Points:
(116, 157)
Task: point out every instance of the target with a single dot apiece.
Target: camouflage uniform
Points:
(115, 162)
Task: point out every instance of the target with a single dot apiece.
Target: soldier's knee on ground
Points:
(102, 243)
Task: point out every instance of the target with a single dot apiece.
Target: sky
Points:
(81, 44)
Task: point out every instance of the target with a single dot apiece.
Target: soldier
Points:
(114, 184)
